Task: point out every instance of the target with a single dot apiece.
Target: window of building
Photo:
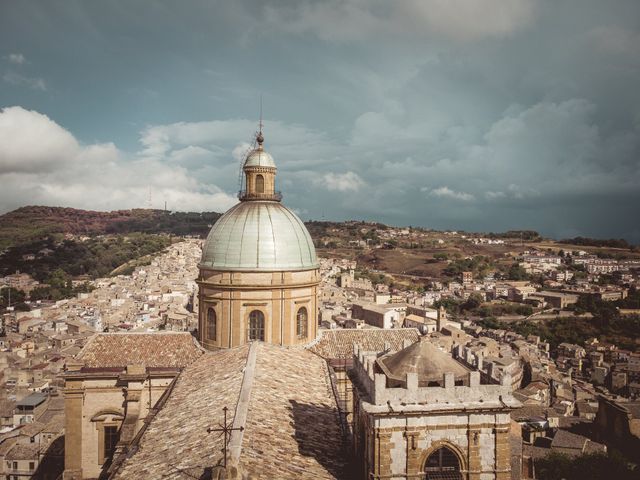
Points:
(211, 324)
(32, 466)
(256, 325)
(301, 323)
(442, 464)
(15, 465)
(259, 184)
(110, 440)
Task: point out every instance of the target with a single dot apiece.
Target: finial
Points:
(260, 137)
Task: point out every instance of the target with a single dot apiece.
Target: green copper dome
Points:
(259, 235)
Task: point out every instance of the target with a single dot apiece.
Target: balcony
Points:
(244, 195)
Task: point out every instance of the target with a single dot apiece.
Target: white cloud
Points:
(342, 182)
(446, 192)
(16, 58)
(31, 142)
(494, 195)
(42, 163)
(16, 79)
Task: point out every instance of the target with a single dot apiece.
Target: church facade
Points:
(418, 414)
(259, 273)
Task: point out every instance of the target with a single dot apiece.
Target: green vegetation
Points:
(56, 262)
(607, 324)
(59, 286)
(525, 235)
(500, 309)
(595, 242)
(556, 466)
(479, 265)
(9, 296)
(474, 306)
(30, 224)
(516, 272)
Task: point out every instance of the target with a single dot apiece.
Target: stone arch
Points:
(256, 326)
(212, 324)
(302, 323)
(103, 414)
(452, 447)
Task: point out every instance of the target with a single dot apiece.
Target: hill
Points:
(32, 223)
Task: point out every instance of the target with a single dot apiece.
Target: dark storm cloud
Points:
(462, 114)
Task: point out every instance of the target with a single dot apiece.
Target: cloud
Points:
(42, 163)
(446, 192)
(14, 78)
(342, 182)
(31, 142)
(16, 58)
(357, 20)
(613, 39)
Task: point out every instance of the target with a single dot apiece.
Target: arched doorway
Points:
(256, 325)
(442, 464)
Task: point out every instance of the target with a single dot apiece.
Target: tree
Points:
(516, 272)
(473, 302)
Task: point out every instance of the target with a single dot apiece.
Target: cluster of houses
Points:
(37, 345)
(571, 398)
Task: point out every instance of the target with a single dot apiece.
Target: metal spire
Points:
(260, 138)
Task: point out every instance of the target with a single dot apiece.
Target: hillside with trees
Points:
(33, 223)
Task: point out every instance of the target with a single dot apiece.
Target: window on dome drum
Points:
(259, 184)
(301, 323)
(442, 464)
(256, 325)
(211, 324)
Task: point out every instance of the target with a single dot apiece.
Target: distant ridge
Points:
(35, 222)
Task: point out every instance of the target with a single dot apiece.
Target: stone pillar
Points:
(73, 395)
(382, 454)
(503, 453)
(473, 459)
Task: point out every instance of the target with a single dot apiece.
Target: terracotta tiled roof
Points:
(176, 443)
(292, 429)
(338, 343)
(26, 451)
(170, 349)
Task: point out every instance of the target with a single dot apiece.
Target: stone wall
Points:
(278, 295)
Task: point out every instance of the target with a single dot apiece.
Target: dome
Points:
(259, 158)
(424, 359)
(259, 235)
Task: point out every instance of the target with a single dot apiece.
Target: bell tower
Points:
(259, 175)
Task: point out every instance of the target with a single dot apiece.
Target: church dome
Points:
(259, 158)
(424, 359)
(259, 235)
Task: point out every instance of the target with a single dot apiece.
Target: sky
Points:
(476, 115)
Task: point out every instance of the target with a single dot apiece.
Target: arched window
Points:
(442, 464)
(259, 184)
(301, 323)
(256, 325)
(211, 324)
